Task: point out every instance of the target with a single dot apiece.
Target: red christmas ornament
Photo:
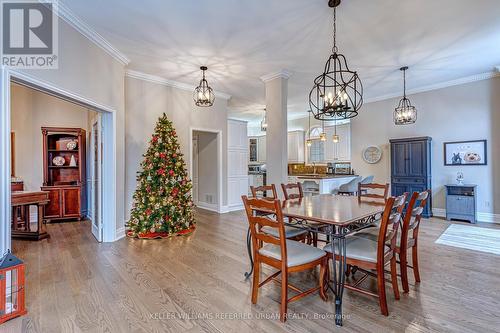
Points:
(175, 190)
(174, 155)
(160, 171)
(171, 172)
(155, 138)
(147, 212)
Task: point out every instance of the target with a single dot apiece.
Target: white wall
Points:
(145, 102)
(207, 166)
(458, 113)
(30, 111)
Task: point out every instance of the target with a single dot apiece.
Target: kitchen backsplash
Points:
(302, 169)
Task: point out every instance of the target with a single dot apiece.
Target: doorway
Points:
(55, 159)
(108, 203)
(206, 169)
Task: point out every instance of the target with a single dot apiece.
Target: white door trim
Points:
(219, 160)
(109, 149)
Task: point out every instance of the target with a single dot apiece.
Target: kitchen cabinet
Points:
(296, 147)
(340, 151)
(237, 164)
(261, 149)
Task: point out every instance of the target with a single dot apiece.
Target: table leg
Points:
(338, 245)
(27, 226)
(14, 218)
(249, 249)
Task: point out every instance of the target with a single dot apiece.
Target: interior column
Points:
(276, 133)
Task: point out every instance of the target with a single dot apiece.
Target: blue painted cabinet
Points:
(411, 167)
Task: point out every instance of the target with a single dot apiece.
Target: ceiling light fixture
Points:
(335, 137)
(405, 113)
(322, 136)
(309, 141)
(263, 123)
(337, 93)
(203, 95)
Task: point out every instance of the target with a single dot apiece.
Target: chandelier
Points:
(337, 93)
(405, 113)
(263, 123)
(203, 95)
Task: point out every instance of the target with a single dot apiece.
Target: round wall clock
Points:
(372, 154)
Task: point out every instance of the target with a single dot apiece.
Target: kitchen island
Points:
(320, 183)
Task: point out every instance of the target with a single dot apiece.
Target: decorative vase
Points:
(72, 162)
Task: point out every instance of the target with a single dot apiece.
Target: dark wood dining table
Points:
(334, 216)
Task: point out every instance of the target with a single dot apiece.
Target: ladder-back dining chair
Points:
(287, 188)
(372, 256)
(409, 237)
(287, 256)
(268, 192)
(373, 191)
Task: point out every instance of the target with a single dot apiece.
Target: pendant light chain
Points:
(404, 83)
(334, 49)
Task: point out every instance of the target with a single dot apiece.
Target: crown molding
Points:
(283, 74)
(441, 85)
(79, 25)
(160, 80)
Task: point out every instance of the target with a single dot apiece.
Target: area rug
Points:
(471, 238)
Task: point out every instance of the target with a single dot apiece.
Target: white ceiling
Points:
(240, 41)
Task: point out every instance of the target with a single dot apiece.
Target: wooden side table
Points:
(23, 200)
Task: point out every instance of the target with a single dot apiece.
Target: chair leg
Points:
(394, 276)
(416, 272)
(315, 239)
(255, 285)
(309, 238)
(403, 267)
(381, 290)
(348, 270)
(322, 278)
(284, 295)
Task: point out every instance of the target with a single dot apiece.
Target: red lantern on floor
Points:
(11, 288)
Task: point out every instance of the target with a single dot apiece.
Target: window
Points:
(315, 132)
(317, 151)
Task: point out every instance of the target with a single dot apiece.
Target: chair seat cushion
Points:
(368, 233)
(297, 253)
(358, 248)
(290, 232)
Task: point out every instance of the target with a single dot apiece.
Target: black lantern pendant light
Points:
(203, 95)
(405, 113)
(337, 93)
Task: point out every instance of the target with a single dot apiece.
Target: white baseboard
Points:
(234, 208)
(481, 217)
(439, 212)
(120, 233)
(207, 206)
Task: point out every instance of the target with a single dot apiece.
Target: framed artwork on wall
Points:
(465, 153)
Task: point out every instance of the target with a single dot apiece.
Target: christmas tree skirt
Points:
(157, 235)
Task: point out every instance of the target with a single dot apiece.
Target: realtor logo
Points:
(29, 34)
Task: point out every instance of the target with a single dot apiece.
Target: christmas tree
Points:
(163, 206)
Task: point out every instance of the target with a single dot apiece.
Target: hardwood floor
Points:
(196, 284)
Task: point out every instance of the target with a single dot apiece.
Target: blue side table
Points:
(461, 202)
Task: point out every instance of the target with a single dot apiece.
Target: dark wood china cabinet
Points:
(64, 172)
